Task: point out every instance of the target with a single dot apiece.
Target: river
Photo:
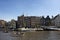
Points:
(41, 35)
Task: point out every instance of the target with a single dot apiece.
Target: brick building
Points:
(35, 21)
(28, 21)
(20, 21)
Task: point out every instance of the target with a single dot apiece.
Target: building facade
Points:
(35, 21)
(20, 21)
(56, 20)
(42, 21)
(28, 21)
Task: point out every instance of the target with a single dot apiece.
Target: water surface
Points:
(41, 35)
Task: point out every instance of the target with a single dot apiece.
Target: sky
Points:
(11, 9)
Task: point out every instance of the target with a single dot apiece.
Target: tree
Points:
(24, 24)
(13, 23)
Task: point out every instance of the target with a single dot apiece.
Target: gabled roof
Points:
(56, 16)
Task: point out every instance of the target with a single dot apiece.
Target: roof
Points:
(56, 16)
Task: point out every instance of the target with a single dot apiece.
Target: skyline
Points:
(10, 9)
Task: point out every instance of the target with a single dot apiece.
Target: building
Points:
(20, 21)
(42, 21)
(28, 21)
(47, 21)
(35, 21)
(56, 20)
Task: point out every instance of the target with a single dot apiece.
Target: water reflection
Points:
(42, 35)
